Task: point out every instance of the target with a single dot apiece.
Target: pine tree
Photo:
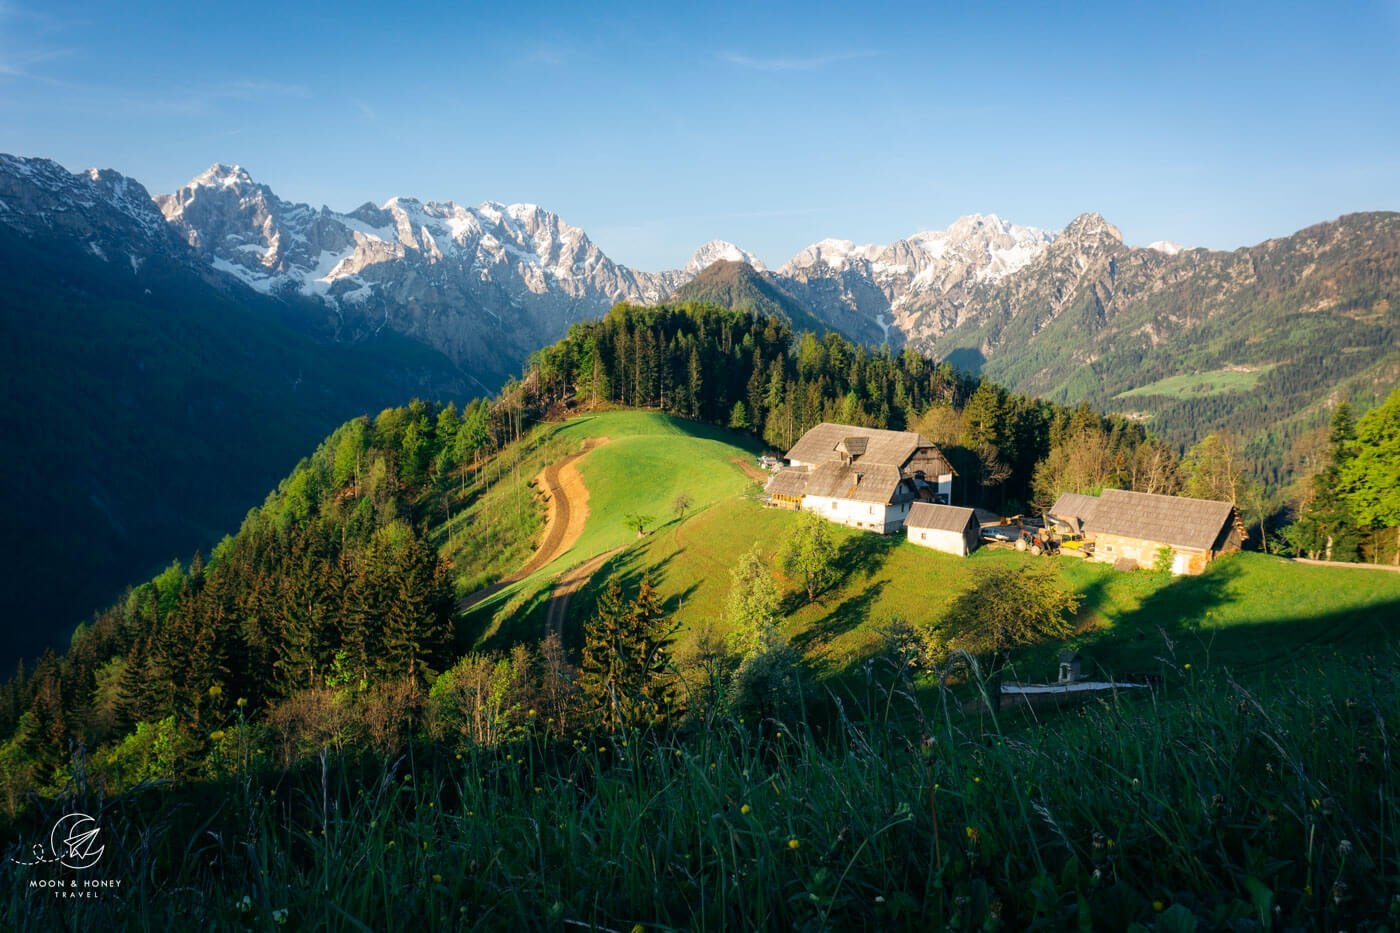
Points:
(1325, 527)
(624, 660)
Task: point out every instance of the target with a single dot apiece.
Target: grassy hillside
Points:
(648, 460)
(1250, 612)
(1217, 382)
(905, 806)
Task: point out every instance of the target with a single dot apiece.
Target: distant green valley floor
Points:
(1197, 385)
(1250, 612)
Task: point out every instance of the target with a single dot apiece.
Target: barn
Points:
(1070, 512)
(861, 477)
(1135, 528)
(945, 528)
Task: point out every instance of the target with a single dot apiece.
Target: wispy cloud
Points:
(21, 63)
(795, 63)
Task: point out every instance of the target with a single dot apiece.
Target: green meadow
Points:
(1249, 612)
(1196, 385)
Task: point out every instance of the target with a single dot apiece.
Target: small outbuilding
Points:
(1071, 666)
(1139, 529)
(946, 528)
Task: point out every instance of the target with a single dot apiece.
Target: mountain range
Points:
(144, 314)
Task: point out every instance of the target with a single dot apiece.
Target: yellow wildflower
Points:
(793, 843)
(745, 809)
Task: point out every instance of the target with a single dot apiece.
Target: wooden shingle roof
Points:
(1174, 520)
(874, 482)
(821, 444)
(940, 517)
(1074, 505)
(789, 481)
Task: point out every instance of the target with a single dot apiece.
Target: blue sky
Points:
(770, 125)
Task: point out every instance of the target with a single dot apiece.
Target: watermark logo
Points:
(74, 842)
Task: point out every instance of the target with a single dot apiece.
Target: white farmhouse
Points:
(943, 528)
(861, 477)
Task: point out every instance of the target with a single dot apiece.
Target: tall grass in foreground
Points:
(1209, 803)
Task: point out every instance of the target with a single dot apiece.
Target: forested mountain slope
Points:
(145, 412)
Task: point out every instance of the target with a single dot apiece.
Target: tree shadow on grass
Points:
(628, 569)
(1181, 623)
(844, 617)
(521, 619)
(864, 554)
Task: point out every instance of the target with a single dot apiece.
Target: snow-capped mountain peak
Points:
(714, 251)
(1166, 247)
(221, 175)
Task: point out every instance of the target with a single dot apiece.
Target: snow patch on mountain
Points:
(717, 250)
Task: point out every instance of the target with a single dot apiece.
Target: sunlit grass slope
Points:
(1249, 611)
(647, 461)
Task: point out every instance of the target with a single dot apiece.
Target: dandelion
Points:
(407, 778)
(977, 779)
(217, 735)
(745, 809)
(246, 904)
(1159, 906)
(425, 845)
(1339, 892)
(1187, 665)
(879, 898)
(215, 692)
(242, 702)
(1344, 848)
(279, 916)
(973, 836)
(459, 756)
(437, 879)
(533, 713)
(793, 844)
